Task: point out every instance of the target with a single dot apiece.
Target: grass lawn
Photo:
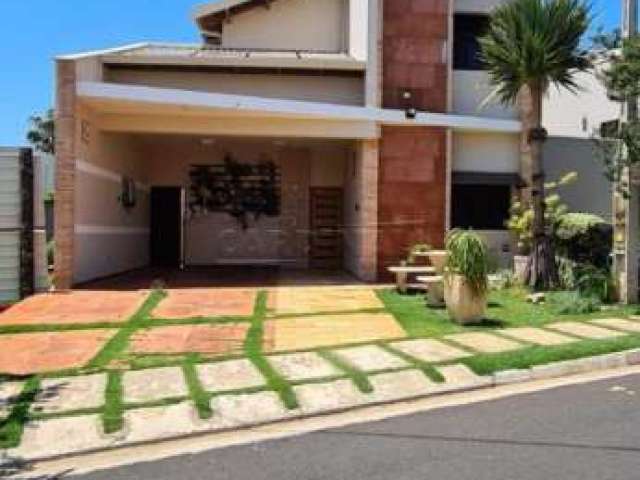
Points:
(507, 309)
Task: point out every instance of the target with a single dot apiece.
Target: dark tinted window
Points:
(466, 49)
(481, 207)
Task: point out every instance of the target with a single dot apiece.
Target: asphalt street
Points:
(585, 432)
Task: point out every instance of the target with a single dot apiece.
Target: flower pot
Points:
(463, 305)
(520, 268)
(438, 259)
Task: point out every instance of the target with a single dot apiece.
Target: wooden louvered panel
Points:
(326, 233)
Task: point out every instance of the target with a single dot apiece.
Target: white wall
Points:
(486, 152)
(319, 25)
(470, 89)
(109, 239)
(564, 113)
(358, 28)
(476, 6)
(340, 90)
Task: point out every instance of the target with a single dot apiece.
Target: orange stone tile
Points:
(207, 302)
(217, 340)
(81, 307)
(304, 333)
(28, 353)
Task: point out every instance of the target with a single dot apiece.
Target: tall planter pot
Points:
(520, 268)
(463, 304)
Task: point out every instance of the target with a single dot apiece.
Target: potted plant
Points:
(438, 259)
(466, 279)
(417, 251)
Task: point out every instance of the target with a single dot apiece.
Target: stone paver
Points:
(207, 302)
(584, 330)
(370, 358)
(306, 333)
(9, 393)
(484, 342)
(293, 301)
(71, 393)
(77, 307)
(303, 366)
(27, 353)
(323, 397)
(156, 423)
(392, 386)
(538, 336)
(430, 350)
(229, 375)
(618, 324)
(249, 409)
(61, 436)
(460, 374)
(142, 386)
(215, 340)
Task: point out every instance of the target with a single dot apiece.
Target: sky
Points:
(35, 31)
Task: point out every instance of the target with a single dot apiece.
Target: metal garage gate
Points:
(23, 262)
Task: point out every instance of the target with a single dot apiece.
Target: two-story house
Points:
(298, 133)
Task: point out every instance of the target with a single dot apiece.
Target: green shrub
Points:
(585, 238)
(572, 303)
(468, 257)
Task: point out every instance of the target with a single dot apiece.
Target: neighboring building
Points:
(573, 120)
(23, 265)
(321, 95)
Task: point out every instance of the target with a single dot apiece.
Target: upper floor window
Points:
(466, 49)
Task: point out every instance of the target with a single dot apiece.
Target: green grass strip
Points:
(429, 370)
(120, 340)
(200, 397)
(113, 412)
(539, 355)
(12, 427)
(253, 350)
(358, 377)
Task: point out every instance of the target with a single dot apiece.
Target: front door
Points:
(325, 245)
(166, 226)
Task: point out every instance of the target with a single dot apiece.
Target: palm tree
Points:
(531, 45)
(41, 133)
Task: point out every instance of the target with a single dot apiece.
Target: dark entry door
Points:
(166, 226)
(325, 245)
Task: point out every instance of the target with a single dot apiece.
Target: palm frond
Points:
(536, 43)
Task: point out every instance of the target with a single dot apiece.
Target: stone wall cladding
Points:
(412, 205)
(412, 179)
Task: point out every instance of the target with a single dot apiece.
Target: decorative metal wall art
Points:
(239, 189)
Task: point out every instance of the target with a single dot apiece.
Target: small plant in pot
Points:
(466, 277)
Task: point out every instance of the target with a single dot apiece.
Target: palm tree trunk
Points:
(542, 272)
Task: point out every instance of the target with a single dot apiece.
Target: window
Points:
(466, 49)
(481, 207)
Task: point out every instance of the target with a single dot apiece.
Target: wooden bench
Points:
(402, 276)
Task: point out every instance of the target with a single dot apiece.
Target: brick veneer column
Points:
(368, 203)
(65, 173)
(412, 180)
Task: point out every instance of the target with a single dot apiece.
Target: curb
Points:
(507, 377)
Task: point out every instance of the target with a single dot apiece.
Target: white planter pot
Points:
(463, 305)
(438, 259)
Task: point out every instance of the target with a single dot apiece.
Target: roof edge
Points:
(106, 51)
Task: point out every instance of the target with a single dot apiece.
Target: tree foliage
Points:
(41, 132)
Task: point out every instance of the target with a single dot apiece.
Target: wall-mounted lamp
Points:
(409, 110)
